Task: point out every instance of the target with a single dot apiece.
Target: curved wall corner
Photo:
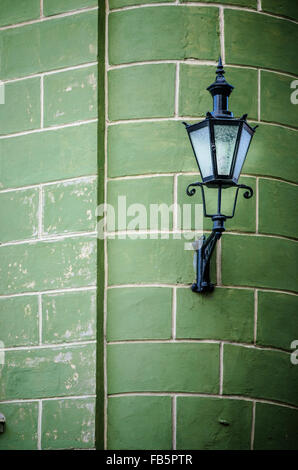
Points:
(179, 365)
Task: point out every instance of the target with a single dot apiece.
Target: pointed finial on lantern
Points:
(220, 70)
(220, 91)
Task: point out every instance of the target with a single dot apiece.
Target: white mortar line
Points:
(154, 175)
(174, 312)
(259, 5)
(174, 422)
(51, 72)
(262, 235)
(147, 175)
(40, 212)
(47, 18)
(36, 400)
(280, 180)
(193, 118)
(221, 365)
(40, 318)
(222, 34)
(203, 395)
(276, 124)
(163, 341)
(106, 59)
(256, 347)
(41, 9)
(253, 423)
(257, 205)
(49, 346)
(175, 202)
(39, 425)
(189, 4)
(49, 238)
(48, 292)
(177, 84)
(192, 62)
(255, 315)
(51, 128)
(88, 178)
(74, 397)
(41, 102)
(259, 95)
(183, 118)
(170, 286)
(187, 286)
(145, 5)
(204, 4)
(260, 289)
(198, 341)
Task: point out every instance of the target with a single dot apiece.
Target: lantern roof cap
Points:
(220, 86)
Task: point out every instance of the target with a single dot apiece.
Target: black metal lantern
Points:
(220, 144)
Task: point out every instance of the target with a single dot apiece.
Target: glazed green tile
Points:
(21, 109)
(143, 199)
(19, 321)
(21, 426)
(48, 156)
(276, 104)
(69, 263)
(68, 424)
(213, 424)
(248, 371)
(267, 153)
(226, 314)
(149, 147)
(19, 215)
(70, 96)
(281, 7)
(272, 44)
(70, 206)
(277, 319)
(245, 215)
(139, 313)
(259, 261)
(149, 261)
(61, 42)
(123, 3)
(69, 316)
(140, 423)
(17, 11)
(54, 7)
(278, 208)
(163, 33)
(141, 92)
(195, 100)
(157, 367)
(240, 3)
(43, 373)
(275, 428)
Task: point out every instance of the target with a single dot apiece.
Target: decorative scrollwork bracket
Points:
(205, 247)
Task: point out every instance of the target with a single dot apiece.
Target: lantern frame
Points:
(217, 179)
(220, 91)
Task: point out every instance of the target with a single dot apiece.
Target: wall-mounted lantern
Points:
(220, 144)
(2, 423)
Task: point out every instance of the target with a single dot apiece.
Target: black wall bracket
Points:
(2, 423)
(205, 247)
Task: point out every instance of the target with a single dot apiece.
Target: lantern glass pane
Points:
(225, 140)
(242, 152)
(200, 139)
